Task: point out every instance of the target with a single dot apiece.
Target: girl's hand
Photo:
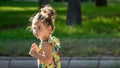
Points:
(33, 50)
(34, 46)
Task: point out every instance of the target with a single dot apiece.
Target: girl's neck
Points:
(45, 38)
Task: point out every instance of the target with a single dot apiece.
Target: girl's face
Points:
(41, 31)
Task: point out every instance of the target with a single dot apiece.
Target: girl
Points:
(47, 53)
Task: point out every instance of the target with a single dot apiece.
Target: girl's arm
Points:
(46, 55)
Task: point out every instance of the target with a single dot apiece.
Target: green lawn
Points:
(97, 23)
(71, 47)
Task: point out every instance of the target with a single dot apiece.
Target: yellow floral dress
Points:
(56, 54)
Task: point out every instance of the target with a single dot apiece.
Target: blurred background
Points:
(86, 28)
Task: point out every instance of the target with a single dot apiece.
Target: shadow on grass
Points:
(71, 47)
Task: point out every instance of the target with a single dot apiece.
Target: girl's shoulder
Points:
(54, 41)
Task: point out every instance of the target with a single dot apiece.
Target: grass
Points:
(98, 35)
(97, 21)
(17, 16)
(70, 47)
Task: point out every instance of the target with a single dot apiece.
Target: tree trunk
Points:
(42, 2)
(73, 12)
(101, 2)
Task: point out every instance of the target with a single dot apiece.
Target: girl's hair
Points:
(46, 15)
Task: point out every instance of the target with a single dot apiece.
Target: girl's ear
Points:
(49, 28)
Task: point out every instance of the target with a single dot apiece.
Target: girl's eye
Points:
(38, 27)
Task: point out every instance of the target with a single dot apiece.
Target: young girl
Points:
(47, 53)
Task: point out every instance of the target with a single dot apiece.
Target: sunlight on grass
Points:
(16, 33)
(97, 23)
(61, 8)
(95, 20)
(103, 19)
(117, 19)
(62, 17)
(9, 8)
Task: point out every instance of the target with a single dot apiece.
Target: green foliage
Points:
(5, 0)
(97, 21)
(102, 22)
(101, 25)
(70, 47)
(16, 48)
(60, 0)
(12, 14)
(16, 33)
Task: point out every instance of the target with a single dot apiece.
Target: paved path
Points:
(66, 62)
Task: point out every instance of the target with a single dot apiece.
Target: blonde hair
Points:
(46, 15)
